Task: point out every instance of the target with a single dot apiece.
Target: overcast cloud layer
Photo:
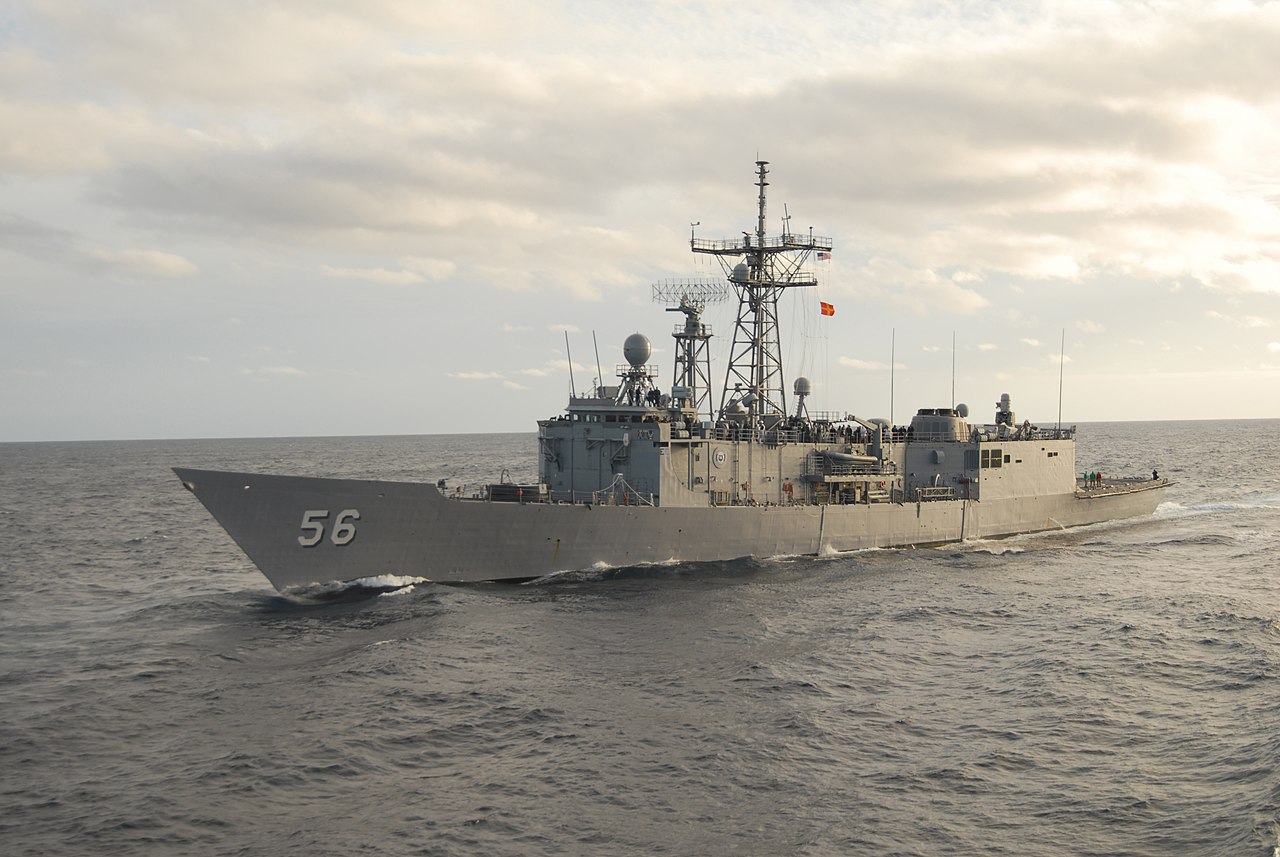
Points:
(230, 219)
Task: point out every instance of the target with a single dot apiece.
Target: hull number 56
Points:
(313, 523)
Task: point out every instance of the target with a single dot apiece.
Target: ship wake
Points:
(355, 590)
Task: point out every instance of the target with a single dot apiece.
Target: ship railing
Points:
(815, 465)
(942, 492)
(772, 436)
(993, 433)
(626, 370)
(683, 330)
(736, 433)
(1117, 485)
(933, 436)
(620, 492)
(786, 241)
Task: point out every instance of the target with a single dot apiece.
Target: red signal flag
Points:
(827, 309)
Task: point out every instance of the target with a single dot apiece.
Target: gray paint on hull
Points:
(410, 529)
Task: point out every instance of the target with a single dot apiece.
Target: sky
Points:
(244, 219)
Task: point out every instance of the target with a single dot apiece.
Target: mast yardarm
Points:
(760, 267)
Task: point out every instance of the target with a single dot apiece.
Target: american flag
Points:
(823, 254)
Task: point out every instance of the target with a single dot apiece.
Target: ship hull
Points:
(303, 531)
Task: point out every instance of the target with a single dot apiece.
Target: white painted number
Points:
(344, 528)
(311, 521)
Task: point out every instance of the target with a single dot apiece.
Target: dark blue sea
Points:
(1111, 690)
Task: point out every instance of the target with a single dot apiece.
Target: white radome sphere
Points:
(637, 349)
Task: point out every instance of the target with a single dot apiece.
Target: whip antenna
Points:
(953, 370)
(599, 374)
(569, 357)
(1062, 360)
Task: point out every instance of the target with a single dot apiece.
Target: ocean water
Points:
(1107, 690)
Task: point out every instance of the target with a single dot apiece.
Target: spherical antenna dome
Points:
(962, 410)
(741, 273)
(803, 386)
(637, 349)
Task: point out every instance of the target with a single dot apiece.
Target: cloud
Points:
(275, 372)
(146, 263)
(377, 275)
(919, 291)
(512, 385)
(974, 165)
(867, 365)
(1273, 347)
(556, 365)
(63, 247)
(1251, 321)
(1047, 149)
(1089, 326)
(987, 346)
(429, 268)
(475, 376)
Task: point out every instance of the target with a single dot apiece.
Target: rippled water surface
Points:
(1107, 690)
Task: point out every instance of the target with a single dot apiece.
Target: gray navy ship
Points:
(636, 473)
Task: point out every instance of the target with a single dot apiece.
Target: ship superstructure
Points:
(636, 472)
(635, 443)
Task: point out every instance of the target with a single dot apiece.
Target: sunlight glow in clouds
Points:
(427, 196)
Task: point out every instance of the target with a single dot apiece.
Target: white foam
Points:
(572, 574)
(829, 552)
(385, 581)
(1174, 509)
(995, 547)
(335, 587)
(601, 565)
(402, 591)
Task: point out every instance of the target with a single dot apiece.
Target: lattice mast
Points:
(691, 381)
(769, 265)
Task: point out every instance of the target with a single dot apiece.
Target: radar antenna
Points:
(760, 268)
(691, 381)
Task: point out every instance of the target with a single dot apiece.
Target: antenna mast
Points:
(569, 356)
(599, 374)
(1062, 361)
(760, 268)
(691, 381)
